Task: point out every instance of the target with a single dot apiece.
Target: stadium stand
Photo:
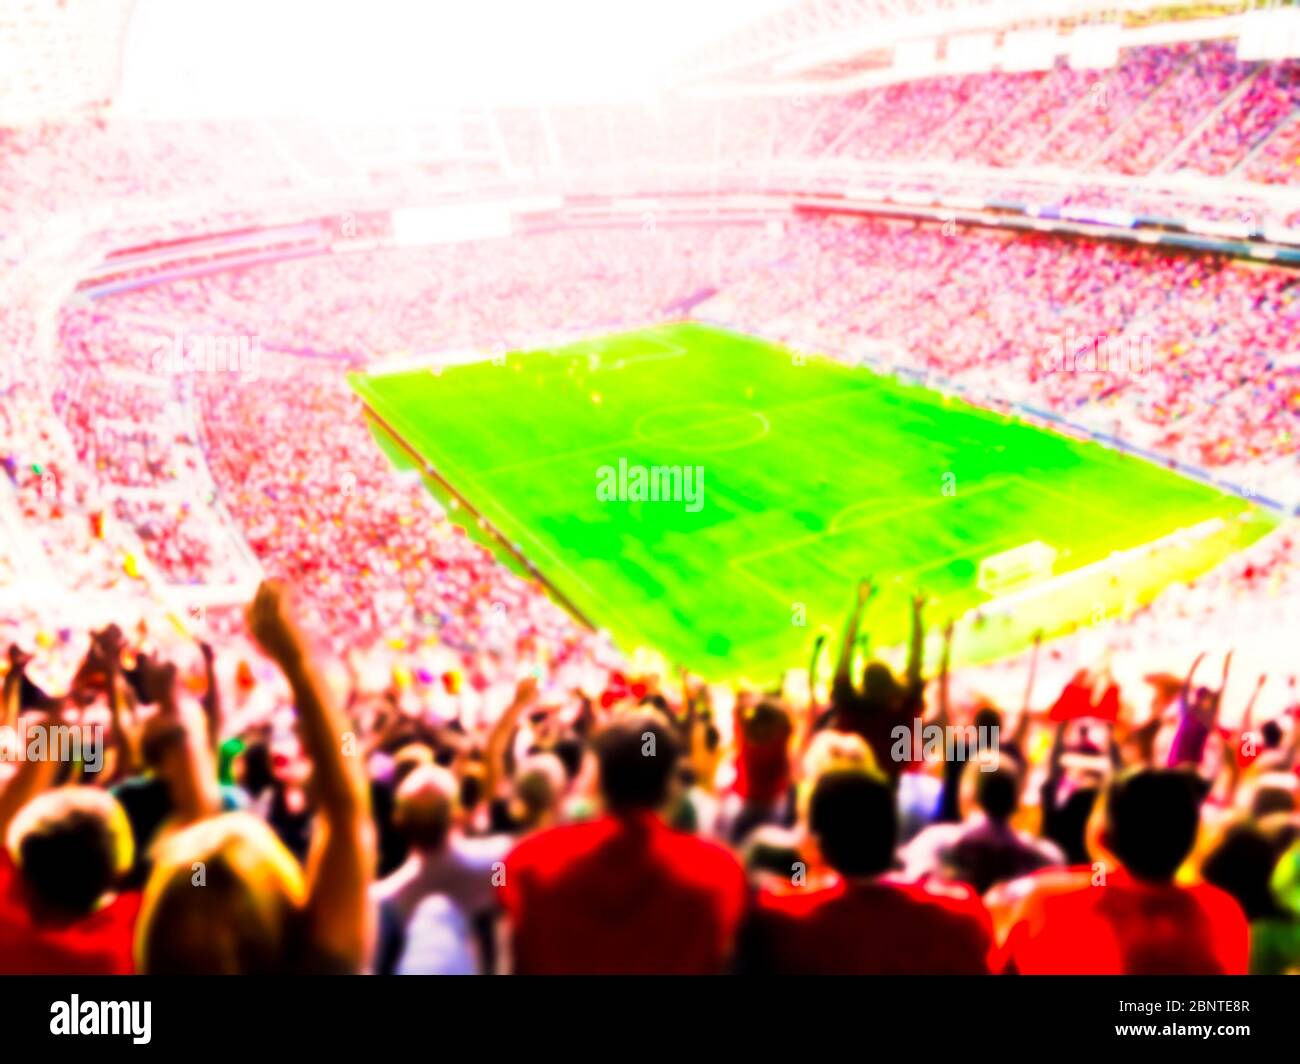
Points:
(215, 568)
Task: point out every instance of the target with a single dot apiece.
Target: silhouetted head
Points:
(70, 846)
(852, 816)
(997, 790)
(878, 683)
(1069, 829)
(766, 722)
(987, 717)
(1203, 699)
(637, 755)
(570, 750)
(1151, 821)
(426, 803)
(1273, 792)
(539, 784)
(1241, 863)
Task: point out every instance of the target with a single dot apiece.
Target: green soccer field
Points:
(814, 473)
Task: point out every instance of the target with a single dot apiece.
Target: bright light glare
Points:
(380, 59)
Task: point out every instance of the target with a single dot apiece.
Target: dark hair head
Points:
(1242, 864)
(656, 701)
(471, 791)
(637, 754)
(1273, 796)
(1151, 820)
(765, 722)
(162, 736)
(1069, 827)
(569, 750)
(257, 771)
(1271, 733)
(878, 683)
(773, 858)
(852, 815)
(71, 845)
(425, 805)
(987, 717)
(997, 791)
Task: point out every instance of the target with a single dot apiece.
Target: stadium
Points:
(506, 490)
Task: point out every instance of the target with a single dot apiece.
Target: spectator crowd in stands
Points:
(363, 769)
(659, 825)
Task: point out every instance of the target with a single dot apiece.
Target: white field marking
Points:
(1069, 575)
(740, 566)
(1101, 511)
(781, 407)
(878, 518)
(775, 594)
(764, 428)
(989, 548)
(563, 456)
(668, 350)
(598, 347)
(1084, 573)
(546, 459)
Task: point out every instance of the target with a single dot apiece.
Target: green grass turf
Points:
(815, 473)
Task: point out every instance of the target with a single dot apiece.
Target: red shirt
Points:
(763, 769)
(879, 927)
(622, 894)
(1075, 701)
(1065, 925)
(98, 944)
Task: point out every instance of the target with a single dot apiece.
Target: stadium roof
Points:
(327, 58)
(809, 33)
(58, 58)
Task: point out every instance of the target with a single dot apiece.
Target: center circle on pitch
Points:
(702, 426)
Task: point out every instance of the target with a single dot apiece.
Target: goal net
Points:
(1016, 568)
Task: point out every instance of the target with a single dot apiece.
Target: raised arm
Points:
(498, 740)
(13, 685)
(108, 645)
(1055, 770)
(1293, 709)
(104, 659)
(1186, 697)
(814, 661)
(1223, 684)
(944, 716)
(1058, 750)
(32, 776)
(342, 858)
(1247, 714)
(1022, 724)
(844, 666)
(211, 696)
(1232, 750)
(916, 646)
(688, 701)
(815, 716)
(193, 788)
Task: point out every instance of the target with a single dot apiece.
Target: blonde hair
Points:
(47, 810)
(832, 751)
(222, 899)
